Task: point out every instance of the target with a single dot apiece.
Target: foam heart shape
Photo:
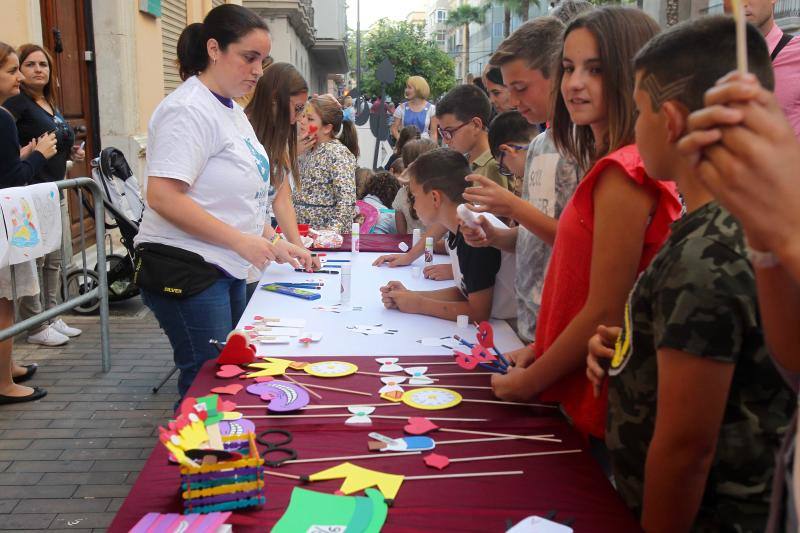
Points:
(237, 351)
(233, 388)
(298, 365)
(419, 425)
(436, 461)
(264, 379)
(225, 405)
(229, 371)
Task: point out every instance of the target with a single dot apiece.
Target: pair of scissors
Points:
(276, 446)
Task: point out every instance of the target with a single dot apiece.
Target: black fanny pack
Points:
(172, 271)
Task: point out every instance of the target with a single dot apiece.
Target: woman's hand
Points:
(78, 154)
(255, 249)
(46, 145)
(28, 149)
(601, 350)
(522, 357)
(298, 257)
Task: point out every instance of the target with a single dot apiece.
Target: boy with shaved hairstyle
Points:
(696, 407)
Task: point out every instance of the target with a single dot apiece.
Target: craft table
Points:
(337, 340)
(572, 485)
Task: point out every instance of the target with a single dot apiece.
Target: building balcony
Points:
(300, 14)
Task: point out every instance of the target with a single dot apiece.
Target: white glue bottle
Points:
(429, 249)
(355, 237)
(345, 287)
(415, 236)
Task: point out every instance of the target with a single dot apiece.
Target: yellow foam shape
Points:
(358, 478)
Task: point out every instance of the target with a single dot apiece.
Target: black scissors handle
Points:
(276, 446)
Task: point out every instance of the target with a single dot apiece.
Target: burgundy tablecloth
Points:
(374, 243)
(572, 485)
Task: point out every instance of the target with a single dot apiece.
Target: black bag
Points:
(172, 271)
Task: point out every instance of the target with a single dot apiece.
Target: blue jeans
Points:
(191, 322)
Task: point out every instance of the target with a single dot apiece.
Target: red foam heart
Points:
(264, 379)
(223, 405)
(227, 389)
(419, 425)
(237, 351)
(436, 461)
(229, 371)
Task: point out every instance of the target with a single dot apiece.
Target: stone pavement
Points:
(68, 461)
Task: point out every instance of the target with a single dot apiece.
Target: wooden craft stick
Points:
(428, 364)
(457, 387)
(382, 375)
(475, 474)
(311, 392)
(351, 457)
(499, 402)
(741, 36)
(370, 416)
(546, 438)
(278, 474)
(461, 374)
(345, 406)
(510, 456)
(490, 439)
(336, 389)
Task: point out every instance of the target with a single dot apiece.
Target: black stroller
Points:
(124, 206)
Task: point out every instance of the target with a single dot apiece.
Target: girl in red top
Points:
(612, 226)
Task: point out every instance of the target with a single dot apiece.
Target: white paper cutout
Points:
(280, 322)
(32, 217)
(417, 375)
(375, 329)
(389, 364)
(273, 339)
(391, 384)
(360, 415)
(447, 343)
(338, 308)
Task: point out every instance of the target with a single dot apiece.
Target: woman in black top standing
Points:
(36, 113)
(16, 171)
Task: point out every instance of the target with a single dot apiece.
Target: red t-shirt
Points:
(566, 284)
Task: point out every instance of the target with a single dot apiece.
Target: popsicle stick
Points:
(545, 438)
(511, 456)
(741, 36)
(311, 392)
(345, 406)
(475, 474)
(456, 386)
(336, 389)
(491, 439)
(499, 402)
(279, 474)
(462, 374)
(370, 416)
(428, 364)
(350, 457)
(374, 374)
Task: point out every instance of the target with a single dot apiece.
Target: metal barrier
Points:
(98, 292)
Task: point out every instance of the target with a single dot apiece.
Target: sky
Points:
(374, 10)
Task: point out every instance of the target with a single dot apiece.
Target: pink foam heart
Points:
(223, 405)
(228, 389)
(419, 425)
(264, 379)
(229, 371)
(436, 461)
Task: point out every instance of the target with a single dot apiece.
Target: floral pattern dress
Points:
(326, 198)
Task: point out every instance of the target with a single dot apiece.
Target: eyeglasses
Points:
(500, 167)
(448, 133)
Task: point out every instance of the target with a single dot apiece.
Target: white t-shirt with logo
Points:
(195, 138)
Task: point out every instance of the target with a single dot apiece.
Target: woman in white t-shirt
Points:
(207, 188)
(278, 101)
(416, 111)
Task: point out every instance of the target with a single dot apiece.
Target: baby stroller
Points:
(124, 206)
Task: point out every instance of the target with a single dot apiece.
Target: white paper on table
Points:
(537, 524)
(32, 217)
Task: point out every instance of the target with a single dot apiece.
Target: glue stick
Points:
(429, 249)
(415, 236)
(345, 278)
(355, 237)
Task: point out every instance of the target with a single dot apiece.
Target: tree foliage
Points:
(411, 53)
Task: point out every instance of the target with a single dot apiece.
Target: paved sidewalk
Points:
(68, 461)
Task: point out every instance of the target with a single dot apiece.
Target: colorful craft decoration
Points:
(316, 512)
(391, 385)
(330, 369)
(419, 425)
(418, 376)
(357, 478)
(273, 366)
(360, 415)
(389, 364)
(229, 371)
(485, 337)
(236, 428)
(237, 350)
(282, 395)
(402, 444)
(441, 462)
(233, 388)
(431, 398)
(172, 522)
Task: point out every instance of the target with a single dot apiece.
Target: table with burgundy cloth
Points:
(571, 485)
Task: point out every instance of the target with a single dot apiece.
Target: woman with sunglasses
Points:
(278, 103)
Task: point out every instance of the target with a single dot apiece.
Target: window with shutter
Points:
(173, 21)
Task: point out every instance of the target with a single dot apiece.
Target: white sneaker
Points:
(48, 337)
(62, 327)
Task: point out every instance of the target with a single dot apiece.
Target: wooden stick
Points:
(311, 392)
(461, 374)
(349, 457)
(476, 474)
(490, 439)
(499, 402)
(278, 474)
(370, 416)
(377, 374)
(428, 364)
(336, 389)
(545, 438)
(345, 406)
(510, 456)
(741, 36)
(457, 386)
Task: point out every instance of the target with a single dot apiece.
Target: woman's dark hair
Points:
(406, 134)
(23, 52)
(269, 113)
(384, 186)
(225, 24)
(330, 112)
